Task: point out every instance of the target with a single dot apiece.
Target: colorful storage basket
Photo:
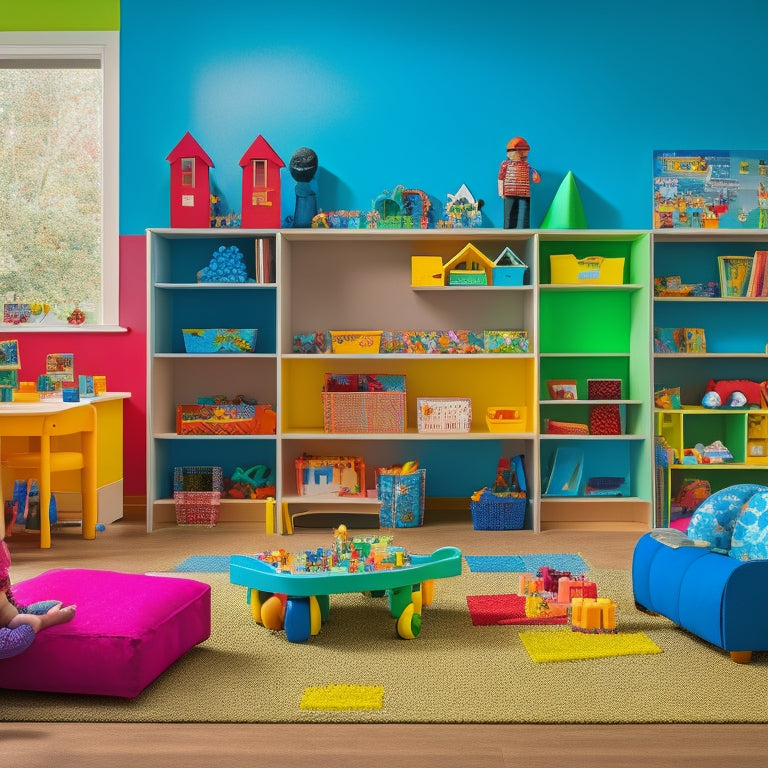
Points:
(498, 512)
(401, 498)
(503, 508)
(356, 342)
(197, 507)
(219, 340)
(444, 414)
(197, 494)
(361, 412)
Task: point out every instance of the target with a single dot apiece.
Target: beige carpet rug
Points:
(453, 672)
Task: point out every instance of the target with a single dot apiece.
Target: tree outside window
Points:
(58, 175)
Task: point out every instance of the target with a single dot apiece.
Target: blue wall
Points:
(428, 97)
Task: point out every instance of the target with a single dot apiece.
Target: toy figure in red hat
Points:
(515, 176)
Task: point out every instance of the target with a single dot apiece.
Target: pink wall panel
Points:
(121, 357)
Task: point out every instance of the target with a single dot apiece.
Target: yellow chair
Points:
(47, 461)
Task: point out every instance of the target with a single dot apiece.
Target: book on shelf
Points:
(734, 274)
(758, 278)
(265, 260)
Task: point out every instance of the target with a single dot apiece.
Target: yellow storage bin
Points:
(506, 418)
(356, 342)
(591, 270)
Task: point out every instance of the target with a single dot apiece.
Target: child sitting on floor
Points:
(19, 624)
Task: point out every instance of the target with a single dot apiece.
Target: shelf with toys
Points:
(426, 333)
(424, 318)
(710, 347)
(209, 342)
(594, 369)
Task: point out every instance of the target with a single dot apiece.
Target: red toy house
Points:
(190, 186)
(261, 186)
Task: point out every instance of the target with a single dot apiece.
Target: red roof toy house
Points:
(261, 186)
(190, 186)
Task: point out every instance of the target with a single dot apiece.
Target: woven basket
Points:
(197, 507)
(200, 478)
(494, 512)
(364, 411)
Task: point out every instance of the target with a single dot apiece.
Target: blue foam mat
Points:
(204, 564)
(525, 563)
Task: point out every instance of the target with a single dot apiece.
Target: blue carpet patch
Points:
(573, 563)
(204, 564)
(525, 563)
(495, 563)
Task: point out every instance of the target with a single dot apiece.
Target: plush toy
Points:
(736, 393)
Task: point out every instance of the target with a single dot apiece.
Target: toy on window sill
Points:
(76, 316)
(514, 182)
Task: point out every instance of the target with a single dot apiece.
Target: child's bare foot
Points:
(58, 614)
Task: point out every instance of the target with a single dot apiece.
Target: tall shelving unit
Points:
(175, 301)
(736, 345)
(340, 279)
(361, 279)
(597, 331)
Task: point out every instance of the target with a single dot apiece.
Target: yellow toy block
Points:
(593, 614)
(426, 270)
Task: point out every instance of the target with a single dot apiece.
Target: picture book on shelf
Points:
(758, 278)
(734, 274)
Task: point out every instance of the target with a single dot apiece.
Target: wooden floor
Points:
(126, 546)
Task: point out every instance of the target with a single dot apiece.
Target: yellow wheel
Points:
(315, 616)
(273, 613)
(409, 623)
(427, 592)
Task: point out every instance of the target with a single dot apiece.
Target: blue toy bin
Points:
(401, 498)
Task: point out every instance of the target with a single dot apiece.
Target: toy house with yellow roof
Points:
(470, 266)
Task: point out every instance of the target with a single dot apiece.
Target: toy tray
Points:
(258, 574)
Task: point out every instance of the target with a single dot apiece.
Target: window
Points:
(59, 181)
(187, 171)
(259, 173)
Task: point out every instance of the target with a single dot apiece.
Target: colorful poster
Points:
(725, 189)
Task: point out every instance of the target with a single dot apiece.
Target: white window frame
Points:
(104, 47)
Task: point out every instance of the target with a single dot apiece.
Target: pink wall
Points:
(121, 357)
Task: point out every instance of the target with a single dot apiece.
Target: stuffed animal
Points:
(736, 393)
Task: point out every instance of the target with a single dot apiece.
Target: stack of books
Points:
(744, 276)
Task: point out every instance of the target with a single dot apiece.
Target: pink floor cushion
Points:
(128, 629)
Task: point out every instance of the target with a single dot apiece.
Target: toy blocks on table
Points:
(128, 629)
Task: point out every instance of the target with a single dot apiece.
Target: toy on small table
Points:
(291, 592)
